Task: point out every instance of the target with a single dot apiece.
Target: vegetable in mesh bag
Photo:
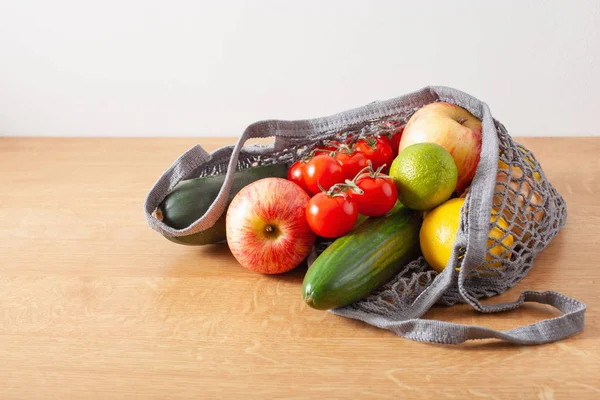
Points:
(508, 182)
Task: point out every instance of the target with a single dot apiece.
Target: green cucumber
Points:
(366, 258)
(190, 199)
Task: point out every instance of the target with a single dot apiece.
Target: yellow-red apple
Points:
(452, 127)
(266, 226)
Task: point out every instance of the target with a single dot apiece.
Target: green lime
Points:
(425, 175)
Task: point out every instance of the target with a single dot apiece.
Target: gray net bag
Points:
(509, 186)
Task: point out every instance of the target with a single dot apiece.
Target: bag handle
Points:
(196, 157)
(432, 331)
(410, 325)
(185, 166)
(178, 171)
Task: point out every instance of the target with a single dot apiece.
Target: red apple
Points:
(266, 226)
(453, 128)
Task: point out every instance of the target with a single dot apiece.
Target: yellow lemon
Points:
(439, 229)
(494, 248)
(516, 171)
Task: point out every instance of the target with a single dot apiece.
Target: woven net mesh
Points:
(527, 212)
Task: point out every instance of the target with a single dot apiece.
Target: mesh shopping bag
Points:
(509, 185)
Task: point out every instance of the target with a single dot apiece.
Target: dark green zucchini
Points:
(190, 200)
(369, 256)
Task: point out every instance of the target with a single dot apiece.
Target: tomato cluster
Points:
(345, 179)
(392, 133)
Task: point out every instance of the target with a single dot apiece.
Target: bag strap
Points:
(178, 171)
(410, 325)
(196, 157)
(545, 331)
(188, 164)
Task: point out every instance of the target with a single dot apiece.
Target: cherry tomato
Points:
(296, 174)
(331, 216)
(377, 150)
(386, 139)
(352, 162)
(392, 135)
(395, 142)
(322, 170)
(378, 197)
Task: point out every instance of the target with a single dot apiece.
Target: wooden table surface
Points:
(95, 304)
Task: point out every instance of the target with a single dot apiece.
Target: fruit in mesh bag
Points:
(266, 226)
(452, 127)
(438, 235)
(425, 175)
(322, 171)
(518, 198)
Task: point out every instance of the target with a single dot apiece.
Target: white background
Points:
(193, 68)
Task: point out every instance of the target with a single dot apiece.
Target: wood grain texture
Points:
(94, 304)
